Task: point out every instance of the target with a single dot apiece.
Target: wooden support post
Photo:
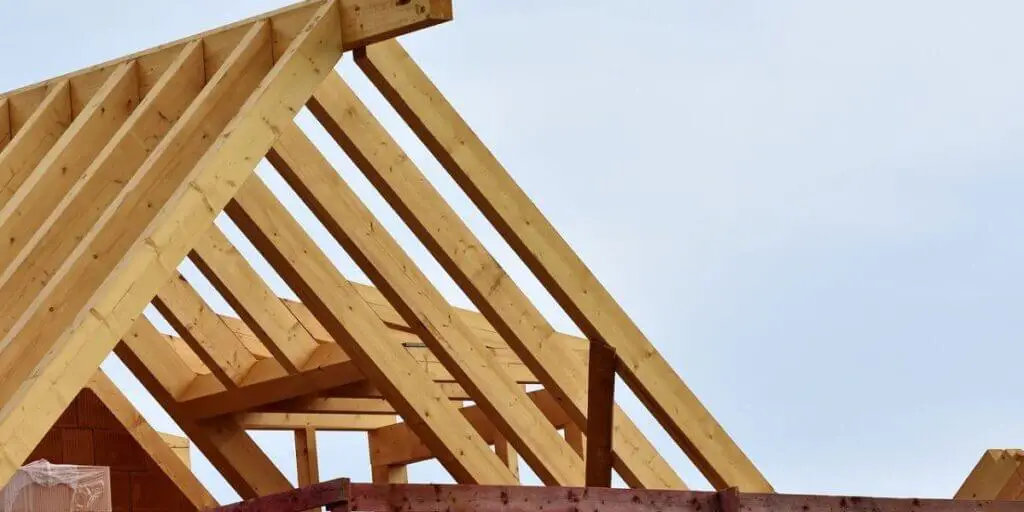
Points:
(506, 308)
(447, 135)
(383, 473)
(600, 407)
(306, 457)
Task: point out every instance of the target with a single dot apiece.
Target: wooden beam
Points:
(297, 421)
(330, 405)
(113, 304)
(551, 356)
(253, 300)
(208, 336)
(557, 266)
(33, 199)
(306, 457)
(82, 207)
(351, 322)
(363, 22)
(397, 444)
(379, 255)
(600, 413)
(180, 446)
(32, 141)
(151, 441)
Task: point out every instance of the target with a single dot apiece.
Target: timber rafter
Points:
(114, 175)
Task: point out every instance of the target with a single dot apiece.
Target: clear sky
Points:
(811, 208)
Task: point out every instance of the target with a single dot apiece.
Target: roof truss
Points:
(115, 174)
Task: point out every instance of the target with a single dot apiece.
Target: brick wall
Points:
(88, 434)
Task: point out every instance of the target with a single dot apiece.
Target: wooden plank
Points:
(154, 252)
(109, 172)
(306, 457)
(298, 421)
(32, 141)
(397, 444)
(600, 413)
(576, 438)
(383, 473)
(151, 441)
(253, 300)
(204, 331)
(557, 266)
(351, 322)
(550, 355)
(33, 200)
(363, 22)
(5, 124)
(379, 255)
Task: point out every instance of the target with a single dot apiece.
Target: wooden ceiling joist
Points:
(111, 176)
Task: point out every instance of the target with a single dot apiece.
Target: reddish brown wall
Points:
(88, 434)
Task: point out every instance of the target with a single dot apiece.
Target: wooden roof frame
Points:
(113, 175)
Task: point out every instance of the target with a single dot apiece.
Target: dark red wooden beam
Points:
(600, 410)
(479, 498)
(332, 494)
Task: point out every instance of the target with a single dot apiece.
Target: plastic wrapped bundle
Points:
(44, 487)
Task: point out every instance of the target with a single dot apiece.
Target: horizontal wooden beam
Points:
(397, 444)
(300, 421)
(362, 22)
(433, 497)
(332, 405)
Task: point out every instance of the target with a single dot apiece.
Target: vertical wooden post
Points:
(306, 457)
(384, 473)
(507, 455)
(600, 410)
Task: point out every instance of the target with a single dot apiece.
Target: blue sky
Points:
(811, 208)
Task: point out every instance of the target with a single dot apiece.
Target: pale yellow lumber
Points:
(262, 311)
(155, 252)
(351, 322)
(45, 186)
(557, 266)
(379, 255)
(306, 457)
(550, 355)
(31, 142)
(208, 336)
(326, 422)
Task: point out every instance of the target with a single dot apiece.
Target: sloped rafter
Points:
(557, 266)
(111, 176)
(398, 277)
(477, 273)
(75, 315)
(997, 476)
